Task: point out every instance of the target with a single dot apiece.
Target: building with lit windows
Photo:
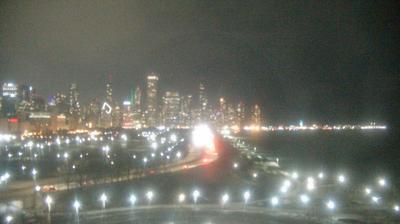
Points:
(171, 109)
(151, 100)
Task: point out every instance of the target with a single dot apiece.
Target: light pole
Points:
(149, 196)
(9, 219)
(181, 198)
(196, 195)
(246, 197)
(224, 199)
(49, 201)
(77, 206)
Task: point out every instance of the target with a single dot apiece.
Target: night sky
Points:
(323, 61)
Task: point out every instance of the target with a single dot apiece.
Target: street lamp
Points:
(246, 197)
(103, 199)
(382, 182)
(341, 179)
(149, 196)
(331, 205)
(304, 199)
(132, 199)
(274, 201)
(367, 190)
(321, 175)
(34, 173)
(77, 206)
(224, 199)
(196, 195)
(181, 197)
(49, 201)
(396, 208)
(8, 219)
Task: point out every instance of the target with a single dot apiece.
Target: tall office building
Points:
(240, 114)
(109, 93)
(171, 109)
(74, 106)
(186, 111)
(256, 116)
(203, 103)
(151, 100)
(137, 101)
(9, 99)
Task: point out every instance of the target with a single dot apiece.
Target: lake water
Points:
(361, 154)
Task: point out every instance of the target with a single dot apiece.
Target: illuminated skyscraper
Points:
(137, 101)
(203, 102)
(186, 111)
(109, 93)
(240, 114)
(256, 116)
(10, 90)
(151, 100)
(171, 109)
(74, 106)
(9, 99)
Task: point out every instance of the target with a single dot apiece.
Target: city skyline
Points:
(170, 108)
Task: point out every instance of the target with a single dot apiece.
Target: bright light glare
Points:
(331, 205)
(341, 179)
(295, 175)
(321, 175)
(246, 196)
(382, 182)
(9, 218)
(103, 198)
(181, 197)
(367, 190)
(132, 199)
(202, 136)
(396, 208)
(304, 198)
(77, 205)
(274, 201)
(375, 199)
(196, 195)
(149, 195)
(224, 199)
(49, 200)
(310, 184)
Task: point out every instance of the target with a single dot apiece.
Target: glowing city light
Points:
(76, 205)
(304, 199)
(132, 199)
(195, 195)
(367, 190)
(181, 197)
(331, 205)
(149, 196)
(246, 196)
(310, 184)
(295, 175)
(224, 199)
(382, 182)
(202, 136)
(9, 219)
(341, 179)
(274, 201)
(103, 199)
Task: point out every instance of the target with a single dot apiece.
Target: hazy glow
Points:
(274, 201)
(202, 136)
(331, 205)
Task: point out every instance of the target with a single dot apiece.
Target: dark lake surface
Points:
(360, 154)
